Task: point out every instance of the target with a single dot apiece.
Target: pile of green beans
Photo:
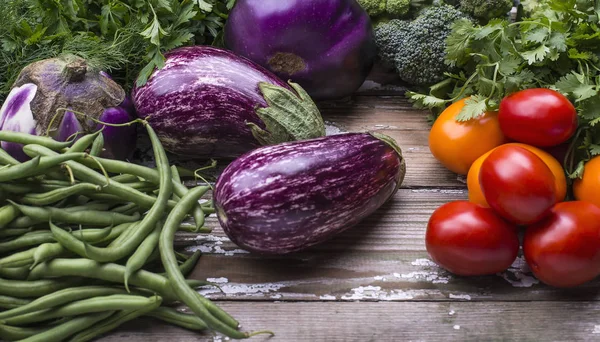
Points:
(83, 240)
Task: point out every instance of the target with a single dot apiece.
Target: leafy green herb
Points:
(125, 37)
(556, 46)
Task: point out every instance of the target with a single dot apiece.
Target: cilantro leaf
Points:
(509, 65)
(535, 55)
(537, 35)
(474, 107)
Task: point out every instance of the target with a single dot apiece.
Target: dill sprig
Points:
(126, 38)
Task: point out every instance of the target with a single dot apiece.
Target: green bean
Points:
(26, 222)
(19, 259)
(7, 302)
(9, 333)
(19, 189)
(7, 214)
(89, 206)
(61, 297)
(82, 143)
(47, 251)
(85, 217)
(123, 237)
(113, 199)
(54, 196)
(15, 273)
(88, 175)
(36, 166)
(112, 302)
(26, 240)
(142, 230)
(126, 209)
(114, 322)
(151, 175)
(56, 182)
(97, 146)
(116, 232)
(138, 259)
(192, 229)
(7, 159)
(180, 319)
(215, 318)
(92, 235)
(37, 288)
(140, 185)
(13, 172)
(92, 269)
(176, 179)
(125, 178)
(61, 332)
(25, 138)
(12, 232)
(188, 266)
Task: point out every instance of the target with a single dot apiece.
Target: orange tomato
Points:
(588, 188)
(458, 144)
(476, 195)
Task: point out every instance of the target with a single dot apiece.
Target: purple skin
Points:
(326, 46)
(284, 198)
(119, 142)
(16, 116)
(200, 102)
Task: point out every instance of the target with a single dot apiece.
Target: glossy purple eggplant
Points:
(287, 197)
(326, 46)
(209, 102)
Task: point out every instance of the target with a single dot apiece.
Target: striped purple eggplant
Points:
(287, 197)
(209, 102)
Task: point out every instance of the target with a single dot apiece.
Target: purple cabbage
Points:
(326, 46)
(210, 103)
(49, 97)
(287, 197)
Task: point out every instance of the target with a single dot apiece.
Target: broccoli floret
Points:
(383, 10)
(417, 48)
(484, 10)
(392, 8)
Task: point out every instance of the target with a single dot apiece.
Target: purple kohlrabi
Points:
(66, 99)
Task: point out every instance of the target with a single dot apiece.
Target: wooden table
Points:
(375, 282)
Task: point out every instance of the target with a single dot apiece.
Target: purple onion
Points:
(16, 116)
(119, 142)
(326, 46)
(287, 197)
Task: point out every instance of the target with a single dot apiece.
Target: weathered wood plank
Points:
(460, 321)
(382, 258)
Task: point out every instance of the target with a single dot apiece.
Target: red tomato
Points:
(517, 184)
(468, 239)
(563, 250)
(539, 117)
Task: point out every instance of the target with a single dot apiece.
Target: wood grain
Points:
(535, 321)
